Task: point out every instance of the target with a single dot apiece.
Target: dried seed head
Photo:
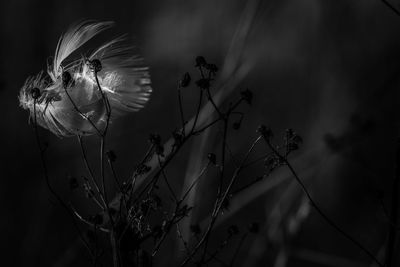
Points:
(66, 79)
(200, 61)
(212, 68)
(95, 65)
(155, 139)
(265, 131)
(203, 83)
(35, 93)
(185, 80)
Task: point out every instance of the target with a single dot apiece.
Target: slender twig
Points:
(314, 204)
(91, 175)
(221, 183)
(238, 249)
(113, 238)
(111, 164)
(80, 217)
(181, 110)
(220, 203)
(171, 190)
(218, 250)
(197, 112)
(389, 5)
(195, 181)
(50, 187)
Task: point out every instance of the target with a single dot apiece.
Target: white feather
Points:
(74, 38)
(123, 78)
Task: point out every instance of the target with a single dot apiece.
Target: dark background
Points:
(328, 69)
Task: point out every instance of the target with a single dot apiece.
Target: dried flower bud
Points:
(111, 156)
(95, 65)
(200, 61)
(211, 68)
(297, 139)
(35, 93)
(265, 131)
(160, 150)
(88, 190)
(247, 96)
(289, 133)
(185, 80)
(203, 83)
(212, 158)
(155, 139)
(142, 169)
(270, 161)
(292, 147)
(66, 79)
(178, 138)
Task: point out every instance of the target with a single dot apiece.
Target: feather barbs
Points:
(75, 106)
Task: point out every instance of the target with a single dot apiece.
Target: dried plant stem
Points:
(389, 5)
(221, 183)
(220, 203)
(237, 250)
(50, 187)
(114, 240)
(91, 175)
(195, 181)
(181, 110)
(171, 190)
(316, 207)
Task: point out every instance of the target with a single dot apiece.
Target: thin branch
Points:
(220, 203)
(241, 242)
(91, 175)
(314, 204)
(50, 187)
(389, 5)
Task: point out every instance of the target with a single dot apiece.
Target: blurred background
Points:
(328, 69)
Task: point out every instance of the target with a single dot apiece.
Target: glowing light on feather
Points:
(73, 106)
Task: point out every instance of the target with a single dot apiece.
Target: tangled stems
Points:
(114, 243)
(218, 205)
(283, 159)
(50, 187)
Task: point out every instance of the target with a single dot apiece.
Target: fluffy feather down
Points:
(123, 78)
